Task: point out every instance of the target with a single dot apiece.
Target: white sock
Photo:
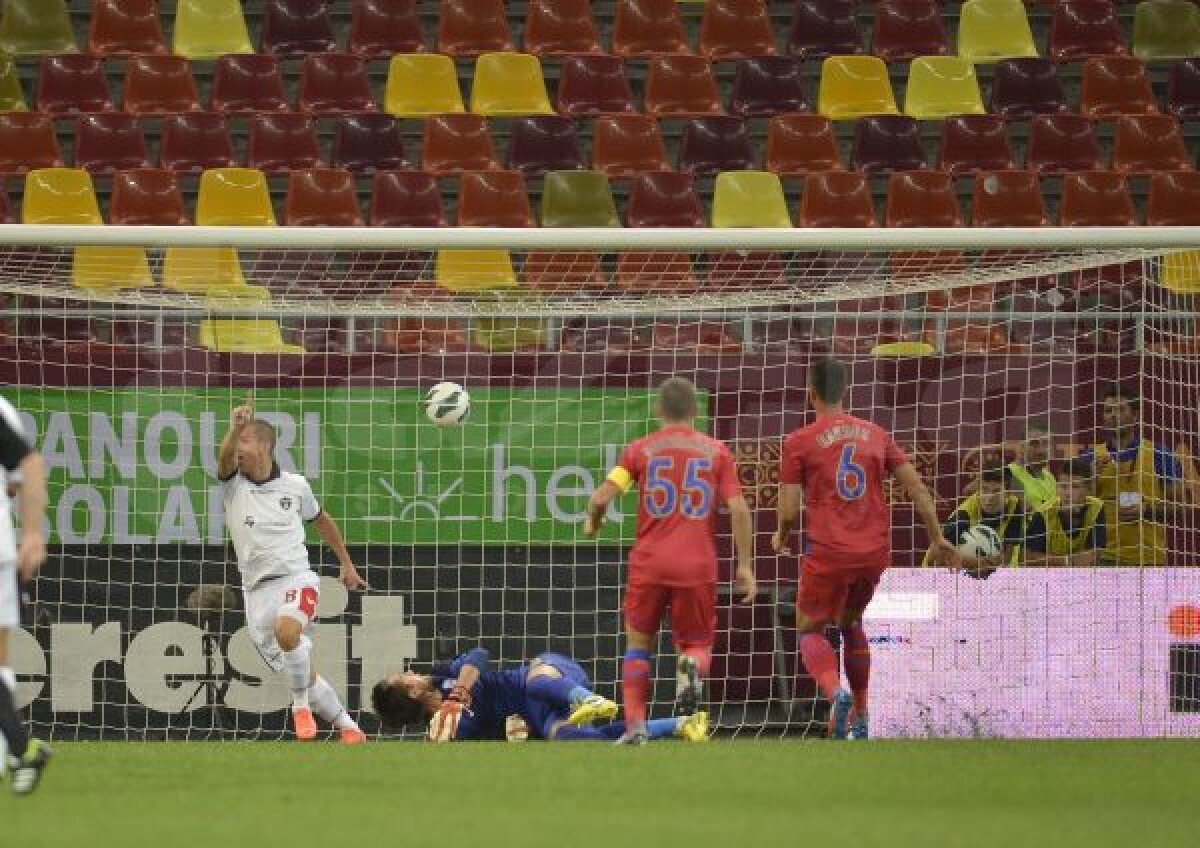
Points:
(298, 665)
(325, 703)
(9, 678)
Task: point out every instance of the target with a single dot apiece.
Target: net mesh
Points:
(125, 361)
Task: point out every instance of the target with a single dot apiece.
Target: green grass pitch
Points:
(726, 793)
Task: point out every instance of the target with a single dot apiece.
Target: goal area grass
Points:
(568, 795)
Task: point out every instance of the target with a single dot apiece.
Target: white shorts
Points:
(10, 597)
(294, 596)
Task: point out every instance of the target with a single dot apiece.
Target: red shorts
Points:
(693, 612)
(827, 592)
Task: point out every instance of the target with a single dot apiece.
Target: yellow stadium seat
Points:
(991, 30)
(12, 98)
(940, 87)
(749, 199)
(206, 29)
(36, 28)
(509, 84)
(904, 349)
(506, 335)
(244, 335)
(855, 87)
(1180, 272)
(421, 84)
(202, 270)
(234, 197)
(474, 270)
(67, 196)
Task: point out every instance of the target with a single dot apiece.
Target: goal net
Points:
(124, 350)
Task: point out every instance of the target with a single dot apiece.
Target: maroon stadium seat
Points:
(1008, 199)
(648, 28)
(922, 199)
(560, 28)
(1025, 87)
(541, 143)
(109, 141)
(680, 86)
(296, 27)
(836, 199)
(406, 199)
(335, 82)
(1115, 85)
(244, 83)
(459, 142)
(1095, 199)
(72, 83)
(381, 28)
(1080, 29)
(1173, 199)
(975, 143)
(471, 27)
(594, 85)
(146, 197)
(322, 197)
(822, 28)
(713, 144)
(664, 199)
(767, 85)
(494, 199)
(906, 29)
(1183, 90)
(282, 142)
(799, 144)
(366, 143)
(888, 143)
(1146, 143)
(125, 28)
(27, 142)
(1062, 143)
(159, 85)
(624, 145)
(733, 29)
(196, 142)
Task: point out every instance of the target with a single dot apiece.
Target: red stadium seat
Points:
(862, 325)
(719, 143)
(381, 28)
(1008, 199)
(594, 85)
(322, 197)
(1116, 85)
(1062, 143)
(822, 28)
(335, 82)
(624, 145)
(1095, 199)
(1183, 90)
(471, 27)
(456, 143)
(836, 199)
(922, 199)
(680, 86)
(125, 28)
(494, 199)
(541, 143)
(1146, 143)
(972, 143)
(648, 28)
(888, 143)
(146, 197)
(27, 142)
(767, 85)
(367, 143)
(664, 199)
(406, 199)
(1081, 29)
(1173, 199)
(282, 142)
(906, 29)
(700, 336)
(160, 85)
(560, 28)
(800, 144)
(196, 142)
(72, 83)
(1025, 87)
(734, 29)
(296, 27)
(109, 141)
(244, 83)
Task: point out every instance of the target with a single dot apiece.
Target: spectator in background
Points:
(1031, 473)
(1069, 529)
(995, 504)
(1138, 481)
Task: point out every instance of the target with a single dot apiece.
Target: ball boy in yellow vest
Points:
(1068, 530)
(1031, 473)
(995, 504)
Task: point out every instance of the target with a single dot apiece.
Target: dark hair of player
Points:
(677, 399)
(264, 431)
(1078, 468)
(1117, 391)
(996, 474)
(827, 377)
(395, 707)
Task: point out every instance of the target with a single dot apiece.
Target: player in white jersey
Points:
(22, 466)
(266, 510)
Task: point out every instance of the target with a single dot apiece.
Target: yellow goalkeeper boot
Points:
(593, 709)
(694, 728)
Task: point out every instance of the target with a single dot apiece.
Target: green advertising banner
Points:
(138, 466)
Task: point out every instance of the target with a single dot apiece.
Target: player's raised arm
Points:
(908, 477)
(227, 455)
(331, 534)
(605, 494)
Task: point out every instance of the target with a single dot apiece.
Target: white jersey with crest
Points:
(266, 523)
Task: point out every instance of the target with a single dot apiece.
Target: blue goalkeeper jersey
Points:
(494, 697)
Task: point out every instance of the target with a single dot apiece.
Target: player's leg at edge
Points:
(691, 728)
(27, 757)
(856, 659)
(550, 684)
(822, 665)
(310, 691)
(635, 686)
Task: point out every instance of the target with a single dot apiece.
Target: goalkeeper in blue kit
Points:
(467, 699)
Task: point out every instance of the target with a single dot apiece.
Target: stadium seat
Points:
(625, 145)
(971, 143)
(195, 142)
(655, 271)
(1022, 88)
(244, 335)
(542, 143)
(748, 199)
(282, 142)
(767, 85)
(159, 85)
(1174, 201)
(1062, 143)
(455, 143)
(473, 27)
(906, 29)
(1095, 199)
(1116, 85)
(27, 142)
(593, 85)
(1080, 29)
(578, 199)
(321, 197)
(922, 199)
(507, 335)
(708, 337)
(888, 143)
(206, 29)
(12, 97)
(942, 86)
(406, 199)
(146, 197)
(1146, 143)
(109, 141)
(599, 336)
(367, 143)
(125, 28)
(296, 27)
(717, 143)
(335, 82)
(247, 84)
(680, 86)
(421, 84)
(1183, 90)
(509, 84)
(800, 144)
(381, 28)
(664, 199)
(1008, 199)
(854, 87)
(862, 328)
(494, 199)
(36, 28)
(990, 30)
(1166, 29)
(470, 271)
(560, 28)
(72, 83)
(648, 28)
(822, 28)
(734, 29)
(836, 199)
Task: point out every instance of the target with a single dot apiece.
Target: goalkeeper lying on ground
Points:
(466, 699)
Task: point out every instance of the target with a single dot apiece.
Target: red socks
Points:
(856, 656)
(635, 686)
(821, 663)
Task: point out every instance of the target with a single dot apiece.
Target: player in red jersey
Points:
(682, 476)
(838, 465)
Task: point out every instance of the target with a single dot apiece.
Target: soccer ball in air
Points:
(979, 542)
(447, 404)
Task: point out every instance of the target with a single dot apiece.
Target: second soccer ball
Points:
(447, 404)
